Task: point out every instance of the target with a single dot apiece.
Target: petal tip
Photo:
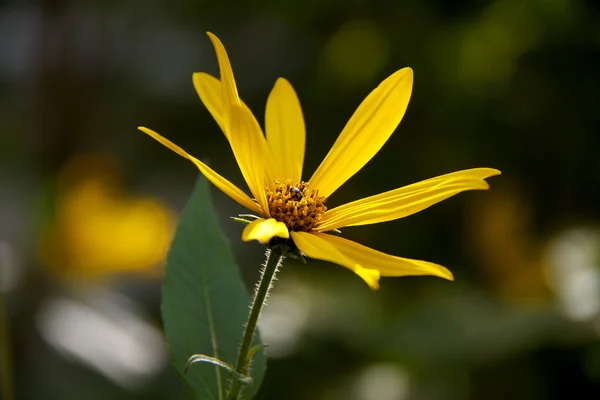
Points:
(449, 276)
(370, 276)
(491, 172)
(443, 272)
(282, 81)
(214, 38)
(147, 131)
(406, 72)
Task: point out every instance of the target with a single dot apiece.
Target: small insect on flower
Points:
(296, 194)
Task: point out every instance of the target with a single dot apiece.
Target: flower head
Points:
(294, 210)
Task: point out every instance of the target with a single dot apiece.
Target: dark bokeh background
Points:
(87, 203)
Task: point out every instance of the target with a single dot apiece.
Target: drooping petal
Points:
(243, 131)
(284, 126)
(405, 201)
(386, 264)
(221, 183)
(318, 247)
(365, 133)
(264, 230)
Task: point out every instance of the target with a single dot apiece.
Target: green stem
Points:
(6, 383)
(274, 260)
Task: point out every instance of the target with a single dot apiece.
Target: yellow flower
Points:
(293, 210)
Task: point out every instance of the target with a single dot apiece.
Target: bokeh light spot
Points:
(384, 381)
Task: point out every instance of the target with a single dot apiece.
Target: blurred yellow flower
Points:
(293, 211)
(500, 238)
(97, 232)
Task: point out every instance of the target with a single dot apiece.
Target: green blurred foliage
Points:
(507, 84)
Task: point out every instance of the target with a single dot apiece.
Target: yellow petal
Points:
(229, 91)
(365, 133)
(252, 154)
(245, 136)
(264, 230)
(221, 183)
(405, 201)
(319, 247)
(285, 130)
(209, 90)
(386, 264)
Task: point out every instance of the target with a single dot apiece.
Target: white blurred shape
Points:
(284, 319)
(9, 273)
(574, 272)
(384, 381)
(107, 333)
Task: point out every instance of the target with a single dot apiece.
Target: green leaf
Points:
(205, 302)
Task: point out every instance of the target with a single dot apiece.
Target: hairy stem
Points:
(272, 264)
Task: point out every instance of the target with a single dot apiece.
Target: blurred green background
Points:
(88, 203)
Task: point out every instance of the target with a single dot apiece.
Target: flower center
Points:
(299, 207)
